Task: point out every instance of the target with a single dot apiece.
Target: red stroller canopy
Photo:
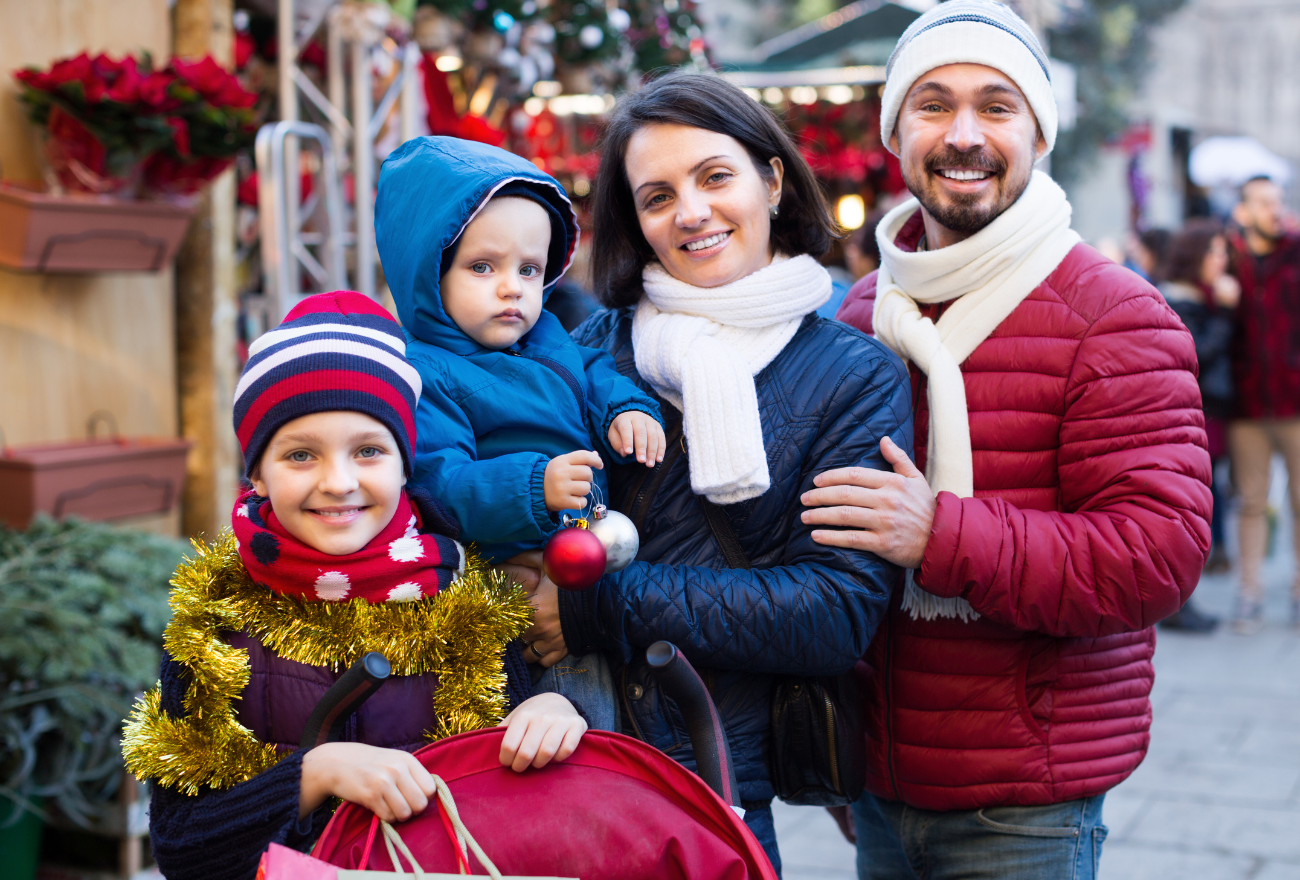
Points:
(616, 808)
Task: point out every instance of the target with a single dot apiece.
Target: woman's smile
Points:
(708, 245)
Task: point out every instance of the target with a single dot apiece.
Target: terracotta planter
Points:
(92, 479)
(72, 233)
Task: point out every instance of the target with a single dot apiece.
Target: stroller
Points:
(616, 808)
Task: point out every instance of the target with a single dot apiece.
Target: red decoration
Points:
(442, 109)
(109, 123)
(574, 558)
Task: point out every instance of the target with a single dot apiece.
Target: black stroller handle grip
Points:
(344, 697)
(683, 685)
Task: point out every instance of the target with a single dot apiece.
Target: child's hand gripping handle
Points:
(682, 684)
(343, 698)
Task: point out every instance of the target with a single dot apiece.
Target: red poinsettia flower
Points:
(245, 46)
(34, 79)
(70, 70)
(205, 76)
(233, 94)
(126, 88)
(181, 132)
(155, 91)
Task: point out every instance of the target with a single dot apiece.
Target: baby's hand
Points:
(389, 782)
(567, 481)
(640, 431)
(541, 729)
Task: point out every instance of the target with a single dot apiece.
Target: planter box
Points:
(92, 479)
(40, 232)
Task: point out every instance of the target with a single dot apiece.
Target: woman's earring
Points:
(774, 210)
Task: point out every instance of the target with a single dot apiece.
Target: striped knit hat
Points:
(334, 351)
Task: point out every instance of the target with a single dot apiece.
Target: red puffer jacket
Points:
(1088, 525)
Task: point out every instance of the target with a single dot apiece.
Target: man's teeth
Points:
(706, 242)
(958, 174)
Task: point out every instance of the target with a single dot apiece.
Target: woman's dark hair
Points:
(1187, 249)
(619, 251)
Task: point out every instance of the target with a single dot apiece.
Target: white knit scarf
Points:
(700, 347)
(989, 274)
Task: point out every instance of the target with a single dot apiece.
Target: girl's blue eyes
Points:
(301, 456)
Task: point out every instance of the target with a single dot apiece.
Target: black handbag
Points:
(817, 756)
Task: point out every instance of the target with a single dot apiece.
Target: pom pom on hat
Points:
(970, 32)
(333, 351)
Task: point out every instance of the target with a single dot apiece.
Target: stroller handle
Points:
(682, 684)
(344, 697)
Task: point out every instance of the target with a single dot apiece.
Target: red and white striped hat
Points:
(333, 351)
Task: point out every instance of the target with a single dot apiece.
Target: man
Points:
(1059, 502)
(1266, 367)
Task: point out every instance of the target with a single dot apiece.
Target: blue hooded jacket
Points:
(488, 421)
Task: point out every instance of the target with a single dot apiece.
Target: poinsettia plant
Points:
(111, 125)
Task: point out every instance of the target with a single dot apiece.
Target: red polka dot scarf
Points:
(402, 563)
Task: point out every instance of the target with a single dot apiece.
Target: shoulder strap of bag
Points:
(724, 534)
(642, 491)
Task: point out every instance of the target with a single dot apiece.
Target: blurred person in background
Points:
(1266, 368)
(1197, 286)
(861, 257)
(1145, 252)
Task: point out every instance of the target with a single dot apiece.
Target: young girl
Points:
(330, 558)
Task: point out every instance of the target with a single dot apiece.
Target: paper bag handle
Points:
(392, 839)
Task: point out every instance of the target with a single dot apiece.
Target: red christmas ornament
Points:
(574, 558)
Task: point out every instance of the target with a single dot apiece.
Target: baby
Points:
(325, 415)
(516, 420)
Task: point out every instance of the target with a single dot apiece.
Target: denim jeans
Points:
(758, 816)
(587, 683)
(1058, 841)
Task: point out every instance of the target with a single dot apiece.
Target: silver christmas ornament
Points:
(618, 535)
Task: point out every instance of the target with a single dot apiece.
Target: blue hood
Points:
(429, 190)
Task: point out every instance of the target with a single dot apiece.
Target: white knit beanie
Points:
(970, 32)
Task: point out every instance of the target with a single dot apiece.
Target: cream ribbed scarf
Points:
(989, 274)
(700, 347)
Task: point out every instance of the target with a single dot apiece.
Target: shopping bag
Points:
(282, 863)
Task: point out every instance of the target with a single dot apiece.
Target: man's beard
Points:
(963, 213)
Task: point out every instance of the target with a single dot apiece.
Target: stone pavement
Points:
(1218, 797)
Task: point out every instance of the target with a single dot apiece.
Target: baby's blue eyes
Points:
(369, 452)
(300, 456)
(484, 269)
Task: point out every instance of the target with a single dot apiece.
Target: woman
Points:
(1198, 287)
(707, 228)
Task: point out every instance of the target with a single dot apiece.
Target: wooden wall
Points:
(73, 344)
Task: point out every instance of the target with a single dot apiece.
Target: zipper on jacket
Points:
(560, 370)
(830, 741)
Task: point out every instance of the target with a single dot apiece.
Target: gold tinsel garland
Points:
(458, 635)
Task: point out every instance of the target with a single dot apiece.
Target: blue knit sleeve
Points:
(221, 835)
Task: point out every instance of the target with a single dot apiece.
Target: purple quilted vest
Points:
(281, 694)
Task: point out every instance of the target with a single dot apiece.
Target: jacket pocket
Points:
(1022, 695)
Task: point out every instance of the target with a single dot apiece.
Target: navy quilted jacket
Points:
(805, 609)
